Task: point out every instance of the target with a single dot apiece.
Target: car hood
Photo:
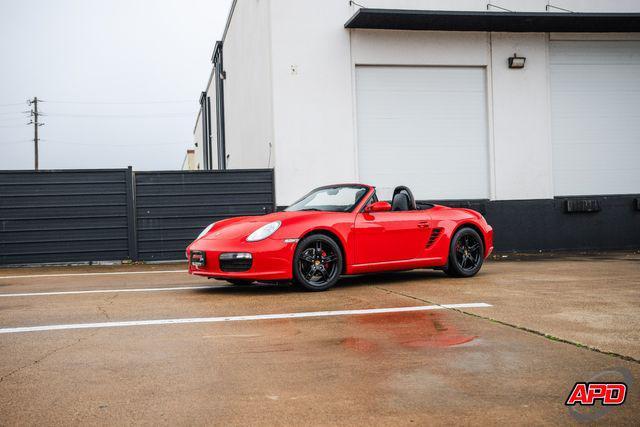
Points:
(237, 228)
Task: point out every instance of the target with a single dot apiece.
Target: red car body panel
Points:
(370, 241)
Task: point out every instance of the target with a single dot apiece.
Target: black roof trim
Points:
(401, 19)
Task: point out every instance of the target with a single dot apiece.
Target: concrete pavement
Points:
(485, 365)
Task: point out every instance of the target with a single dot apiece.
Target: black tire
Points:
(239, 282)
(466, 253)
(317, 262)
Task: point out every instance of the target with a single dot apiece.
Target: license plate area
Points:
(198, 259)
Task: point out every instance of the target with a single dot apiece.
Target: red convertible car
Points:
(341, 230)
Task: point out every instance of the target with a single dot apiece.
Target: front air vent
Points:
(231, 261)
(434, 236)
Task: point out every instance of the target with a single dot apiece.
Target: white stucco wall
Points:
(515, 5)
(197, 142)
(211, 94)
(247, 88)
(521, 118)
(519, 144)
(189, 162)
(197, 130)
(312, 99)
(291, 63)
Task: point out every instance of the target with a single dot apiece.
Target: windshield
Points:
(330, 199)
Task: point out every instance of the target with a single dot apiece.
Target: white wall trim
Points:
(491, 150)
(547, 46)
(354, 109)
(272, 143)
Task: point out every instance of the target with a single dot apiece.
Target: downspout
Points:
(210, 149)
(220, 77)
(205, 116)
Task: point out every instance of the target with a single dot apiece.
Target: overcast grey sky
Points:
(120, 79)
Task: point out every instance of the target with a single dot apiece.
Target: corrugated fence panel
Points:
(116, 214)
(173, 207)
(63, 216)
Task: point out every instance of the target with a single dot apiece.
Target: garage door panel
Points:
(590, 78)
(395, 106)
(593, 130)
(580, 104)
(616, 157)
(424, 181)
(572, 52)
(424, 127)
(389, 79)
(445, 133)
(595, 105)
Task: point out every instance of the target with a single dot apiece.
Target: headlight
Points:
(264, 231)
(206, 230)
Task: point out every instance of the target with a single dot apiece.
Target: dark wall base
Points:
(608, 222)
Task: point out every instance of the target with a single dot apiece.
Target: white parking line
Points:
(107, 291)
(235, 318)
(104, 273)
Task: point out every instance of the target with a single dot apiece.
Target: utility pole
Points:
(36, 124)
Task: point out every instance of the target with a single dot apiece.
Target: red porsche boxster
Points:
(340, 230)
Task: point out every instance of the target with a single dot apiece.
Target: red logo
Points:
(588, 393)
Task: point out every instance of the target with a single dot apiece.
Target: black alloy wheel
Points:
(466, 253)
(317, 262)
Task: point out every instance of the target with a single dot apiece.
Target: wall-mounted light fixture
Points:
(517, 61)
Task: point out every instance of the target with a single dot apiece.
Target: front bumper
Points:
(271, 259)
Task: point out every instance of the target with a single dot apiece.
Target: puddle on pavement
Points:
(411, 330)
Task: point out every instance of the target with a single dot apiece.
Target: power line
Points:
(13, 104)
(14, 142)
(14, 126)
(122, 116)
(12, 119)
(131, 144)
(123, 102)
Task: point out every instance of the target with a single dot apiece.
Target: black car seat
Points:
(400, 202)
(403, 199)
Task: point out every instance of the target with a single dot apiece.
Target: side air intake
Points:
(434, 236)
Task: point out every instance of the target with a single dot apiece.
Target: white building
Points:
(190, 163)
(421, 93)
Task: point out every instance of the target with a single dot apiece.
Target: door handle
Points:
(423, 225)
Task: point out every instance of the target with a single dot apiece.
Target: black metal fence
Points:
(118, 214)
(173, 207)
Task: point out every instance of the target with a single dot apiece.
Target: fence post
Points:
(132, 231)
(273, 190)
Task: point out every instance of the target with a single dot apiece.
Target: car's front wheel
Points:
(466, 253)
(317, 262)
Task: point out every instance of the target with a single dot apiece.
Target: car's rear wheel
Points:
(466, 253)
(317, 262)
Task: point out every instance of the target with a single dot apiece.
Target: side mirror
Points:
(378, 207)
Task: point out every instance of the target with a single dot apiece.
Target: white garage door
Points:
(595, 117)
(423, 127)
